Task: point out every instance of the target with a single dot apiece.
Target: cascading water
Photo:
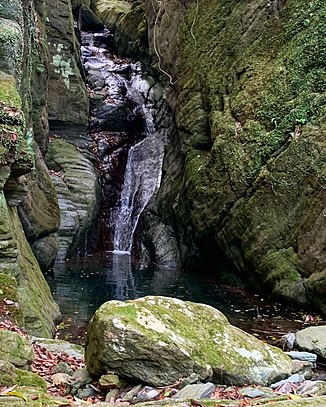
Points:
(123, 112)
(142, 175)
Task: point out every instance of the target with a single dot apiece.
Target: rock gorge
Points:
(244, 168)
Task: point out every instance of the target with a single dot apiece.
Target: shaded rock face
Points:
(248, 93)
(157, 340)
(68, 99)
(23, 125)
(126, 20)
(76, 181)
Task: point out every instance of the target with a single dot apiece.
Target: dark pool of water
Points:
(81, 285)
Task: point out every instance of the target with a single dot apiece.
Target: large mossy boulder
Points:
(157, 340)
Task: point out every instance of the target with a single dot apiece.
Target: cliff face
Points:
(25, 186)
(250, 90)
(245, 174)
(41, 84)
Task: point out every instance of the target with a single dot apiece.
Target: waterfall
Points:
(142, 175)
(122, 118)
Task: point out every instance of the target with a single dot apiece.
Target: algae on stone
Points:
(15, 349)
(249, 91)
(158, 340)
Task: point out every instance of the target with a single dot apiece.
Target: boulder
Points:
(15, 349)
(157, 340)
(313, 339)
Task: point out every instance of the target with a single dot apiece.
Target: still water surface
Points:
(82, 284)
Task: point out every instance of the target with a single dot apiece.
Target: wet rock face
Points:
(157, 340)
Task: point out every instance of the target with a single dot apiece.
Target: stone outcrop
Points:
(76, 181)
(70, 158)
(248, 179)
(126, 19)
(157, 340)
(23, 120)
(68, 99)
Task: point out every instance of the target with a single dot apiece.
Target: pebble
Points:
(295, 378)
(304, 356)
(196, 391)
(132, 393)
(253, 392)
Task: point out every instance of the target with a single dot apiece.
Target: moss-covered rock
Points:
(9, 299)
(30, 389)
(68, 99)
(127, 21)
(10, 375)
(15, 349)
(35, 298)
(250, 110)
(158, 340)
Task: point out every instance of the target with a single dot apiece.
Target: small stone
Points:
(312, 388)
(288, 341)
(61, 379)
(253, 392)
(304, 368)
(304, 356)
(111, 381)
(88, 391)
(82, 375)
(81, 378)
(295, 378)
(63, 367)
(195, 391)
(147, 393)
(112, 395)
(132, 393)
(192, 379)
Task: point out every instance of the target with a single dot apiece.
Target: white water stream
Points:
(142, 175)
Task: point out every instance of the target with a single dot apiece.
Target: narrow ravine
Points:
(130, 150)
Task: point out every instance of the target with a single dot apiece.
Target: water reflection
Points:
(82, 284)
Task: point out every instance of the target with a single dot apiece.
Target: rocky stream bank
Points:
(160, 351)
